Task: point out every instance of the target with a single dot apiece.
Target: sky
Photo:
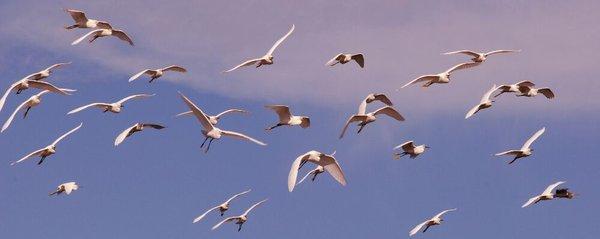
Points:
(156, 182)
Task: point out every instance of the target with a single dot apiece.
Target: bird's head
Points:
(427, 147)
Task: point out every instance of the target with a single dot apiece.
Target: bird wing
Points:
(487, 94)
(333, 167)
(472, 111)
(246, 63)
(154, 126)
(306, 176)
(133, 97)
(197, 219)
(231, 111)
(417, 228)
(464, 65)
(283, 111)
(8, 92)
(500, 51)
(466, 52)
(509, 152)
(185, 113)
(104, 25)
(360, 59)
(122, 35)
(35, 153)
(66, 134)
(224, 221)
(139, 74)
(57, 65)
(78, 16)
(270, 52)
(383, 98)
(533, 138)
(70, 187)
(334, 60)
(12, 116)
(551, 187)
(531, 201)
(421, 78)
(174, 68)
(546, 92)
(352, 118)
(406, 146)
(253, 206)
(85, 36)
(293, 175)
(237, 195)
(198, 113)
(47, 86)
(121, 137)
(444, 212)
(362, 108)
(389, 111)
(87, 106)
(242, 136)
(525, 83)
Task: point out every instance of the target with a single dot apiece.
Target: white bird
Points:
(209, 130)
(24, 84)
(546, 195)
(345, 58)
(43, 74)
(362, 108)
(103, 32)
(66, 188)
(156, 73)
(441, 78)
(81, 21)
(267, 59)
(241, 219)
(222, 207)
(484, 103)
(48, 150)
(514, 88)
(480, 56)
(286, 117)
(409, 148)
(27, 105)
(314, 173)
(526, 149)
(435, 220)
(328, 162)
(133, 129)
(214, 119)
(368, 118)
(529, 91)
(115, 107)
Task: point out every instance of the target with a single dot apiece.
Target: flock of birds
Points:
(323, 162)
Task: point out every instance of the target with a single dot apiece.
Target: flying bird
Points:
(214, 119)
(133, 129)
(267, 59)
(409, 148)
(546, 195)
(209, 130)
(314, 173)
(115, 107)
(66, 188)
(484, 103)
(27, 105)
(48, 150)
(514, 88)
(24, 84)
(43, 74)
(328, 162)
(104, 32)
(345, 58)
(441, 78)
(480, 56)
(525, 150)
(435, 220)
(156, 73)
(81, 21)
(368, 118)
(241, 219)
(362, 108)
(286, 117)
(529, 91)
(222, 207)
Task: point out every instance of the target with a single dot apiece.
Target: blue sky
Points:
(155, 183)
